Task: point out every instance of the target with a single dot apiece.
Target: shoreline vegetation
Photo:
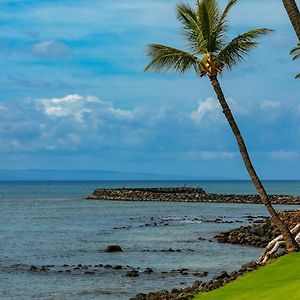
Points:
(185, 194)
(279, 279)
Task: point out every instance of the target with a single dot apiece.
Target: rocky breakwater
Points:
(183, 194)
(148, 194)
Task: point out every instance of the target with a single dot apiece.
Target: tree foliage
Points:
(205, 28)
(295, 52)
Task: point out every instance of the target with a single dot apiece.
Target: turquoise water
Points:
(50, 223)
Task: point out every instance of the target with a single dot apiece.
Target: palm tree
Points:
(296, 54)
(294, 15)
(205, 28)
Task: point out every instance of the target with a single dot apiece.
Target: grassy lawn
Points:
(278, 280)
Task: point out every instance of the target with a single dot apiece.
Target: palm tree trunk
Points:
(294, 15)
(291, 244)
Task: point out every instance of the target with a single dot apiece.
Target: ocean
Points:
(51, 223)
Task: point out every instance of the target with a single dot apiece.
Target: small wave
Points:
(190, 222)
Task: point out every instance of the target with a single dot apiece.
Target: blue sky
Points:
(74, 95)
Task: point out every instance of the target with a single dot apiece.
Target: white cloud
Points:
(238, 108)
(77, 107)
(211, 155)
(3, 108)
(75, 122)
(267, 104)
(50, 48)
(208, 108)
(74, 138)
(285, 155)
(121, 114)
(71, 105)
(15, 144)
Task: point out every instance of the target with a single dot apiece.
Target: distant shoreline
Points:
(184, 194)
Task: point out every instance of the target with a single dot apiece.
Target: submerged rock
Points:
(108, 267)
(117, 267)
(148, 271)
(201, 274)
(33, 269)
(89, 273)
(113, 248)
(132, 273)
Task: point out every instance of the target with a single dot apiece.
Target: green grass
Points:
(278, 280)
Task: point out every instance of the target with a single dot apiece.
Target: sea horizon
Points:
(83, 188)
(146, 180)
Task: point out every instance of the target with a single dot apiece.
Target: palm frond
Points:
(205, 28)
(296, 52)
(221, 27)
(214, 12)
(167, 58)
(223, 21)
(187, 16)
(227, 9)
(208, 15)
(238, 48)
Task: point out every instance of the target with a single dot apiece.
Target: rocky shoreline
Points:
(184, 194)
(198, 286)
(257, 235)
(128, 271)
(260, 233)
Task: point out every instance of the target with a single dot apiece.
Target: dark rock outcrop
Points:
(132, 273)
(148, 271)
(117, 267)
(258, 234)
(113, 248)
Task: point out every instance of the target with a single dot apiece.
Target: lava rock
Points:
(108, 267)
(223, 275)
(117, 267)
(113, 248)
(33, 269)
(148, 271)
(132, 273)
(89, 273)
(201, 274)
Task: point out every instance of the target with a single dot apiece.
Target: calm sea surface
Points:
(50, 223)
